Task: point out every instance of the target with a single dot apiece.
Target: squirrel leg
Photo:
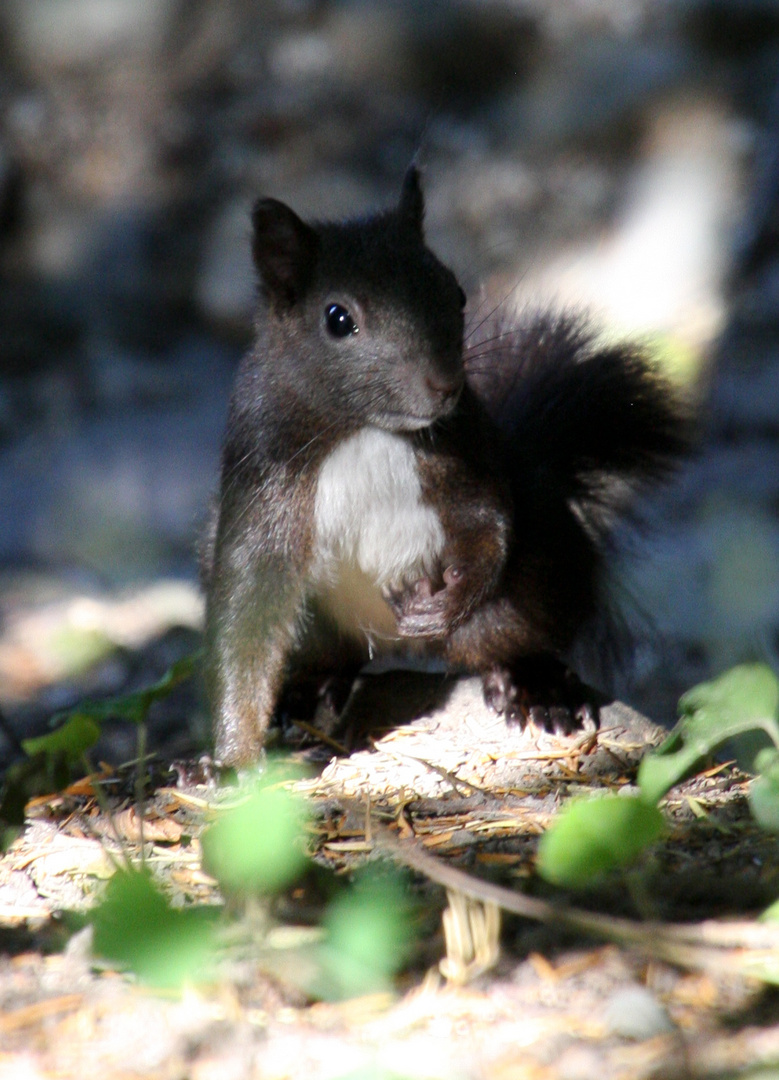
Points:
(244, 684)
(252, 626)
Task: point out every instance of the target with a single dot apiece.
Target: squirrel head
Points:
(363, 299)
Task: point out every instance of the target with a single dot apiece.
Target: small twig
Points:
(321, 737)
(457, 784)
(105, 807)
(29, 1015)
(696, 945)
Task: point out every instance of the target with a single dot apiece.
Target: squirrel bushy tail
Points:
(583, 420)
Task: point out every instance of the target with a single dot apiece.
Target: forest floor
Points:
(449, 790)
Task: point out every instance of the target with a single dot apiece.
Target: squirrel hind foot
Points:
(543, 691)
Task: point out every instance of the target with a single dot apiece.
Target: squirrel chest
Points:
(371, 528)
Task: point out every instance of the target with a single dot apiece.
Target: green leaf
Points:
(764, 801)
(590, 837)
(745, 696)
(46, 769)
(764, 790)
(78, 734)
(743, 699)
(135, 707)
(763, 966)
(368, 937)
(51, 757)
(135, 928)
(258, 845)
(766, 759)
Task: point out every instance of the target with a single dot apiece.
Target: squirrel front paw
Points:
(422, 610)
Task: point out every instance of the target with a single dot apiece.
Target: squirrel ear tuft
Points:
(284, 250)
(412, 202)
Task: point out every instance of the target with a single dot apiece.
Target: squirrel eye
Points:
(339, 321)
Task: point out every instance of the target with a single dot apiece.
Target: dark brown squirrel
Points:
(387, 489)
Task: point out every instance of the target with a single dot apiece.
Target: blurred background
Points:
(618, 155)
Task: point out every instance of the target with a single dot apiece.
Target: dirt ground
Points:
(547, 1001)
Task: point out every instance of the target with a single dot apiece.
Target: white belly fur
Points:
(372, 528)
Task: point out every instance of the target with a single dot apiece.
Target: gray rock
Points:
(633, 1012)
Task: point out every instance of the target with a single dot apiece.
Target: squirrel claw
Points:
(540, 690)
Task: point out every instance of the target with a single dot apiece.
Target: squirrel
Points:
(391, 485)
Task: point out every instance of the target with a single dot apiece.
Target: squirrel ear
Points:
(412, 202)
(284, 250)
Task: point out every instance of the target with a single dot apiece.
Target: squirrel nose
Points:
(446, 389)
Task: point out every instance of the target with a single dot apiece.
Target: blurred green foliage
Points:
(744, 699)
(591, 837)
(257, 846)
(136, 928)
(51, 759)
(370, 934)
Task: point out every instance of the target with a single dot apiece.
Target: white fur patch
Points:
(371, 527)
